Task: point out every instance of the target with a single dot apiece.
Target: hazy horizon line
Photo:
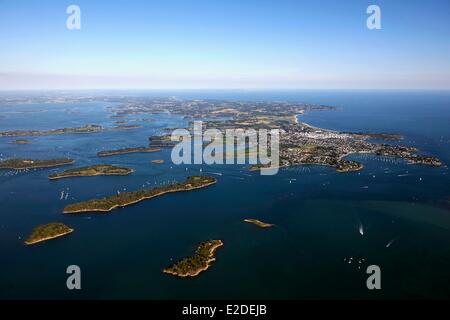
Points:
(223, 89)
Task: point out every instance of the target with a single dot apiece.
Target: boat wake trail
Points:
(389, 244)
(215, 173)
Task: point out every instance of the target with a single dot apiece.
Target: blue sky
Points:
(246, 44)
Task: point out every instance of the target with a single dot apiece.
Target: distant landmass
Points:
(109, 153)
(20, 164)
(89, 128)
(85, 129)
(21, 141)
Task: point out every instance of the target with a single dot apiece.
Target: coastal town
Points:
(304, 144)
(300, 143)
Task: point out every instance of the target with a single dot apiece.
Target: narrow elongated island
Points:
(128, 126)
(109, 153)
(259, 223)
(97, 170)
(22, 164)
(21, 141)
(127, 198)
(200, 261)
(48, 231)
(90, 128)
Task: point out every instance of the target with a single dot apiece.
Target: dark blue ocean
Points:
(316, 249)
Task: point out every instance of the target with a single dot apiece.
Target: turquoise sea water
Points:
(318, 213)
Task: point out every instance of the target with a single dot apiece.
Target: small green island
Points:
(109, 153)
(127, 198)
(21, 141)
(97, 170)
(348, 166)
(162, 141)
(22, 164)
(200, 261)
(48, 231)
(259, 223)
(259, 166)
